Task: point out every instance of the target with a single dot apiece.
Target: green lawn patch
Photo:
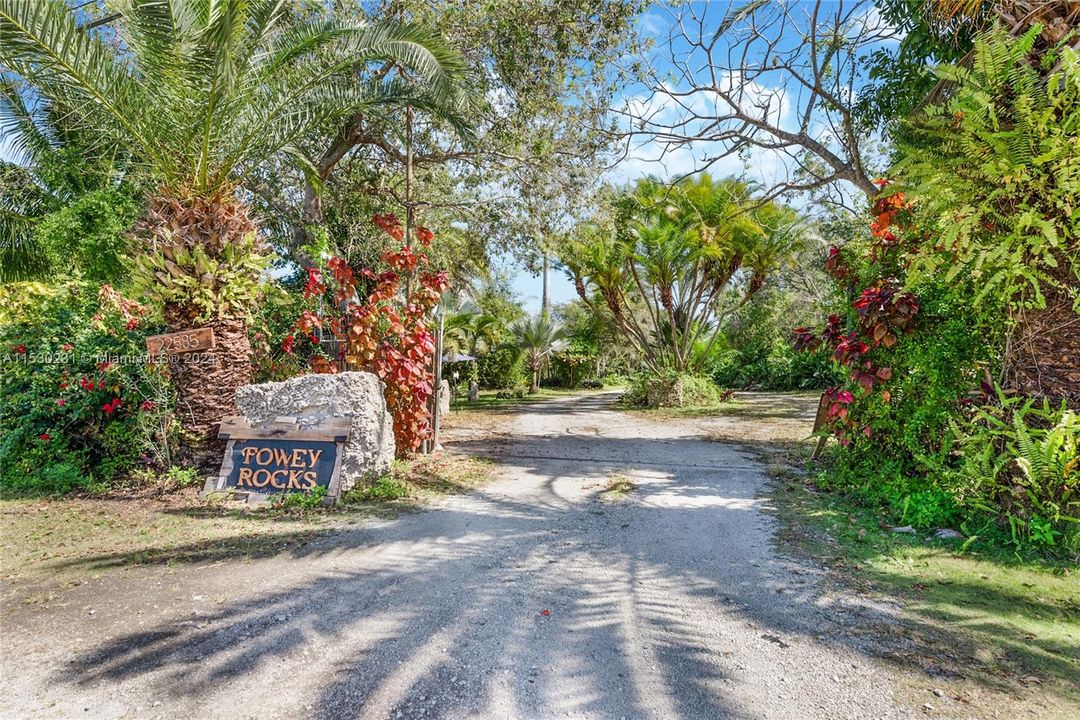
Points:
(490, 400)
(52, 543)
(1006, 630)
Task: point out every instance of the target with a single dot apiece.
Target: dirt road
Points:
(621, 567)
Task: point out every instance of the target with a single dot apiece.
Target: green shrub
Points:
(273, 321)
(671, 390)
(73, 413)
(1020, 463)
(573, 367)
(384, 488)
(300, 501)
(775, 366)
(756, 349)
(501, 367)
(90, 235)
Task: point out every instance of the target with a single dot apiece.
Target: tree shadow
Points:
(442, 613)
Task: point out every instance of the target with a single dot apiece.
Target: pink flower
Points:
(67, 347)
(147, 405)
(61, 402)
(45, 437)
(110, 407)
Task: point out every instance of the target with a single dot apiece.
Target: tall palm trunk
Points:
(1043, 355)
(206, 381)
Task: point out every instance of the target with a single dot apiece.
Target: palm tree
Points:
(50, 168)
(668, 263)
(198, 91)
(1056, 18)
(538, 338)
(467, 330)
(38, 178)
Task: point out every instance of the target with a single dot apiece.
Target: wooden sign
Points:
(280, 457)
(184, 341)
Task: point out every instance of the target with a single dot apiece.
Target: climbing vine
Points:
(386, 332)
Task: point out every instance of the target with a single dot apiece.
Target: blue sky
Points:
(647, 158)
(773, 93)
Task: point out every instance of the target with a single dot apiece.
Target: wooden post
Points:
(819, 424)
(408, 189)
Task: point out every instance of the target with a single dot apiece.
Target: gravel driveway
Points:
(541, 596)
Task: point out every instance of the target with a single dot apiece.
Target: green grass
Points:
(489, 401)
(780, 405)
(617, 486)
(1007, 630)
(50, 543)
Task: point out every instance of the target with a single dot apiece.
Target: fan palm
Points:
(538, 338)
(199, 91)
(467, 330)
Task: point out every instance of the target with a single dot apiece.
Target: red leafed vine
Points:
(385, 333)
(883, 312)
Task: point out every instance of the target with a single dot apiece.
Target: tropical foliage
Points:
(63, 208)
(670, 263)
(199, 93)
(538, 338)
(379, 323)
(967, 282)
(74, 415)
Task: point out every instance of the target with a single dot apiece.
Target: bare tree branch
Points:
(766, 78)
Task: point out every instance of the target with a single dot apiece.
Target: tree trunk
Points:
(545, 300)
(534, 385)
(206, 383)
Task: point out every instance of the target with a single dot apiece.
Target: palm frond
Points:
(22, 203)
(42, 43)
(26, 137)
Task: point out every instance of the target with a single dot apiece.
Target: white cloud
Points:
(693, 111)
(651, 24)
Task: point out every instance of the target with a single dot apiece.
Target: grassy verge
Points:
(489, 399)
(52, 543)
(983, 628)
(745, 405)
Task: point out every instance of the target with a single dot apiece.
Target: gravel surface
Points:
(545, 595)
